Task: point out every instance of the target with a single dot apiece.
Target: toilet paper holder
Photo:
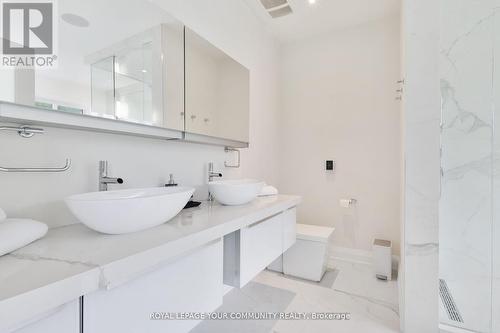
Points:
(346, 203)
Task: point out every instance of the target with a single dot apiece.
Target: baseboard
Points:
(351, 255)
(356, 256)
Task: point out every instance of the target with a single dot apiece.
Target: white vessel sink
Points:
(235, 192)
(125, 211)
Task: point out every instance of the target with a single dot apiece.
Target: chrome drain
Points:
(449, 303)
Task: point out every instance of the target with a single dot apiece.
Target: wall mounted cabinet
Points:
(217, 91)
(149, 70)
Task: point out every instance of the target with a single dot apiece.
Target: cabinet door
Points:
(192, 283)
(172, 88)
(217, 91)
(289, 228)
(250, 250)
(260, 244)
(64, 319)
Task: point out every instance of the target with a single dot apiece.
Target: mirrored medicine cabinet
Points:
(134, 68)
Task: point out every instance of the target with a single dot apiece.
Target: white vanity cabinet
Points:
(289, 228)
(251, 249)
(148, 277)
(192, 283)
(64, 319)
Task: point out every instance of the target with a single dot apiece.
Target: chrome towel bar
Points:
(24, 131)
(61, 169)
(28, 132)
(237, 165)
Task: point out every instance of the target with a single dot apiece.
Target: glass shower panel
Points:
(466, 214)
(495, 232)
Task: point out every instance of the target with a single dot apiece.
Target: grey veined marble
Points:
(469, 45)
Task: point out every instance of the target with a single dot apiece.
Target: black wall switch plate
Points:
(330, 165)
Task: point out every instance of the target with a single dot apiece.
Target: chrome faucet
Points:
(211, 173)
(211, 176)
(104, 180)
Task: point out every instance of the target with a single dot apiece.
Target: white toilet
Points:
(308, 257)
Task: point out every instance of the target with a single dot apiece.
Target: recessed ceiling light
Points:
(312, 2)
(75, 20)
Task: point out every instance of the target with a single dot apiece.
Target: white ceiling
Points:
(323, 16)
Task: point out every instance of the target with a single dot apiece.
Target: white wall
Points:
(228, 24)
(338, 102)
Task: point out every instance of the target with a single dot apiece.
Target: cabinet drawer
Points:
(64, 319)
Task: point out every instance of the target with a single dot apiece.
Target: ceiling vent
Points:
(277, 8)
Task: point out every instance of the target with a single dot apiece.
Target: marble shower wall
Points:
(421, 105)
(457, 43)
(465, 217)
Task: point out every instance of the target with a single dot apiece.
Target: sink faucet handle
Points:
(104, 180)
(171, 181)
(211, 173)
(103, 168)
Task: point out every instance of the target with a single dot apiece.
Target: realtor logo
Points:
(28, 33)
(27, 28)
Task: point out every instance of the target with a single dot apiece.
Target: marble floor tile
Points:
(359, 279)
(370, 311)
(254, 297)
(327, 281)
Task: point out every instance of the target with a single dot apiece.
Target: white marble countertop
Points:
(73, 260)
